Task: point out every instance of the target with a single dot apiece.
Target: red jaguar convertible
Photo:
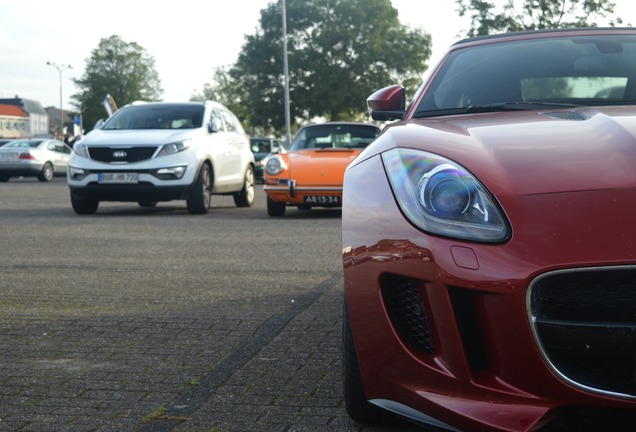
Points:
(489, 240)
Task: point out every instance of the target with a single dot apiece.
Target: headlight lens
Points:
(441, 197)
(172, 148)
(274, 166)
(80, 150)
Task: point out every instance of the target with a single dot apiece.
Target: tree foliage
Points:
(519, 15)
(339, 52)
(123, 70)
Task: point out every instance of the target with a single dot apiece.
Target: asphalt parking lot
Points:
(156, 320)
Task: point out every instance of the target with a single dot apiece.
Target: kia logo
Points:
(120, 154)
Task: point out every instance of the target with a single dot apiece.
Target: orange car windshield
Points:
(339, 136)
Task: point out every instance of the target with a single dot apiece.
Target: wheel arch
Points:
(210, 164)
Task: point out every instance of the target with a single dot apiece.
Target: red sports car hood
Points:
(530, 152)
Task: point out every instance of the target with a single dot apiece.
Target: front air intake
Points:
(406, 309)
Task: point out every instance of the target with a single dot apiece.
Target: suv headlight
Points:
(441, 197)
(172, 148)
(275, 165)
(81, 150)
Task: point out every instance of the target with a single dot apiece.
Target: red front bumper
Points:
(448, 328)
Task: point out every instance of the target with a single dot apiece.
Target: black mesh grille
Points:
(567, 115)
(121, 154)
(407, 312)
(586, 324)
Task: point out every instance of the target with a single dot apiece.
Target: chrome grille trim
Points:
(534, 322)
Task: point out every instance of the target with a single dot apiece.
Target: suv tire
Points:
(199, 199)
(245, 198)
(83, 206)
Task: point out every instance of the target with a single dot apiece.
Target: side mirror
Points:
(99, 124)
(388, 103)
(214, 126)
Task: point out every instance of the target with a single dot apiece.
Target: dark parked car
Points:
(263, 148)
(489, 243)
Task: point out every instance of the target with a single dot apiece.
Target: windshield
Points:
(23, 144)
(260, 145)
(334, 136)
(153, 116)
(582, 70)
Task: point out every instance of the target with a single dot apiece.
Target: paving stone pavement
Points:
(156, 320)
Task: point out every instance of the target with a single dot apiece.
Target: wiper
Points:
(517, 106)
(496, 107)
(439, 112)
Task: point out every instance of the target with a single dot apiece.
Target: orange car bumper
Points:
(321, 196)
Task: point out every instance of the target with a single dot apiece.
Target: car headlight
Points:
(441, 197)
(172, 148)
(275, 166)
(80, 150)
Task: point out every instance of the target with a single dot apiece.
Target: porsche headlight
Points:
(274, 166)
(441, 197)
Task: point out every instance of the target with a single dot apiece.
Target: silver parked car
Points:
(39, 157)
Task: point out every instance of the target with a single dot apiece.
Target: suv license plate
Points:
(125, 178)
(321, 199)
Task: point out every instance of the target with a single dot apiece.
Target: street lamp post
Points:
(60, 68)
(286, 74)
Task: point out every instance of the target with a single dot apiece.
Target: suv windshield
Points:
(582, 70)
(155, 116)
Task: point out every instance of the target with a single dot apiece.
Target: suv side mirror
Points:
(214, 126)
(99, 124)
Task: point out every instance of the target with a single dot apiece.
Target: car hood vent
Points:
(566, 115)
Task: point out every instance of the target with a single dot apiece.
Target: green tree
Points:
(519, 15)
(339, 52)
(123, 70)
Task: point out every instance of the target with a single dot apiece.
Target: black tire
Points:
(82, 205)
(353, 388)
(275, 209)
(47, 173)
(245, 198)
(148, 204)
(4, 178)
(200, 197)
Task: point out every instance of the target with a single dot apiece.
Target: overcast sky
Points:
(187, 38)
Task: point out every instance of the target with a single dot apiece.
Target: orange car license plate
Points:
(321, 199)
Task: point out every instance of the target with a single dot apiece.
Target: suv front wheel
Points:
(83, 206)
(199, 199)
(245, 198)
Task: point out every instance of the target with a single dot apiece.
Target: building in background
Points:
(14, 122)
(36, 123)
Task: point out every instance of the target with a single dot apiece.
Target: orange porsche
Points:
(311, 173)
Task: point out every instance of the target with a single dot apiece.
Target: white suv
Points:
(159, 151)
